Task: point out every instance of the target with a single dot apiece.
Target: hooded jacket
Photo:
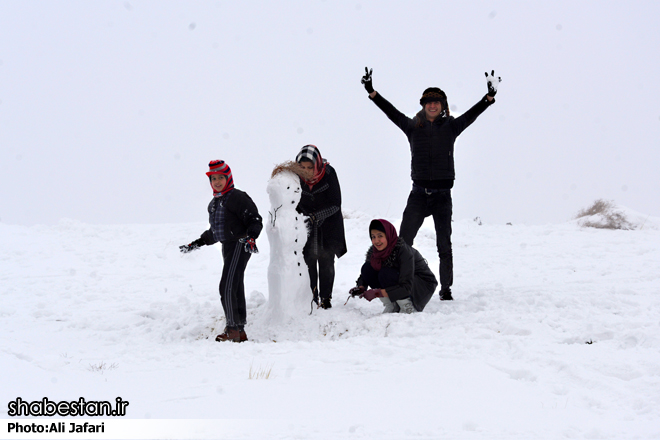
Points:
(415, 278)
(432, 143)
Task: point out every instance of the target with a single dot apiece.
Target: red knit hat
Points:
(221, 167)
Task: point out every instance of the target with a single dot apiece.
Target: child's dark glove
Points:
(492, 83)
(370, 294)
(366, 80)
(192, 246)
(358, 290)
(249, 245)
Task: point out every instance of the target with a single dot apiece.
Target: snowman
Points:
(289, 293)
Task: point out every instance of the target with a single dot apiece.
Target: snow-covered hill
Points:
(554, 333)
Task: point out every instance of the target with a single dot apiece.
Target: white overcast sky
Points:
(111, 110)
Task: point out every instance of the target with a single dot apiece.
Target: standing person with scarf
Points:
(320, 201)
(431, 135)
(397, 273)
(236, 223)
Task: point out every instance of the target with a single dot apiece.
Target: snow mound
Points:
(604, 214)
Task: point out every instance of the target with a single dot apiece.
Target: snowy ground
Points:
(555, 333)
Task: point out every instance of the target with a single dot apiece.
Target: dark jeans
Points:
(321, 271)
(435, 202)
(232, 289)
(379, 279)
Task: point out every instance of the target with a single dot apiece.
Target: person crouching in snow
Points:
(397, 273)
(236, 223)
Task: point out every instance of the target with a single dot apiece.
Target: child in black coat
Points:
(236, 223)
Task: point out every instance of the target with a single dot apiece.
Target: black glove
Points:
(311, 220)
(249, 245)
(366, 80)
(492, 83)
(358, 290)
(192, 246)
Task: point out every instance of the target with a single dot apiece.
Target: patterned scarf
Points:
(310, 152)
(377, 257)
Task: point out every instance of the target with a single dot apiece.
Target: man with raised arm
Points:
(431, 134)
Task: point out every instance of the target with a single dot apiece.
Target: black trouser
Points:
(379, 279)
(232, 289)
(321, 271)
(436, 202)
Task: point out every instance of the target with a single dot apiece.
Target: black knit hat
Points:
(433, 94)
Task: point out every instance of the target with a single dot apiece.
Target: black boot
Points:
(325, 303)
(445, 294)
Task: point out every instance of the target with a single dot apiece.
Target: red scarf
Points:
(377, 257)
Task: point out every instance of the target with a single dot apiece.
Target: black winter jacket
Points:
(324, 202)
(415, 278)
(241, 218)
(432, 143)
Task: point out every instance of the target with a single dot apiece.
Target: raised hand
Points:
(492, 83)
(366, 80)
